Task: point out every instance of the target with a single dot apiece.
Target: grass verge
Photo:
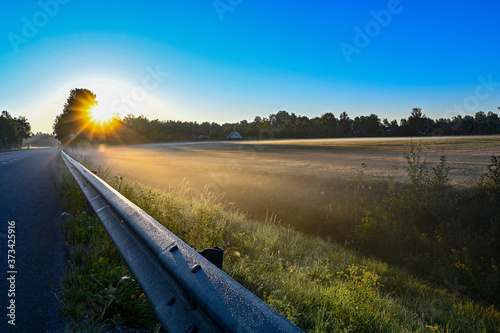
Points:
(100, 293)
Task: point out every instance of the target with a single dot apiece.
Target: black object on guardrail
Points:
(188, 292)
(215, 256)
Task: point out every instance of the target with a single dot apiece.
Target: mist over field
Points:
(291, 179)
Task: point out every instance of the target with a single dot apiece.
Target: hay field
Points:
(290, 179)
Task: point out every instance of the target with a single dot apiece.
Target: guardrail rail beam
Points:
(188, 292)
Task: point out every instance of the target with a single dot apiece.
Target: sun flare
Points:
(101, 114)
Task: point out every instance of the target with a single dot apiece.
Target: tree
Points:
(301, 126)
(416, 121)
(282, 124)
(73, 124)
(367, 126)
(41, 140)
(242, 128)
(23, 128)
(416, 113)
(372, 126)
(492, 117)
(344, 124)
(480, 123)
(13, 131)
(7, 131)
(329, 124)
(466, 126)
(479, 117)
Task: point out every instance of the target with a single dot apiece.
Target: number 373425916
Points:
(11, 245)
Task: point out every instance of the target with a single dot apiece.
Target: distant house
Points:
(234, 135)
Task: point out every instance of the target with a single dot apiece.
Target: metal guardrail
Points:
(188, 293)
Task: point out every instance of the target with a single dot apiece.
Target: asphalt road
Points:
(30, 211)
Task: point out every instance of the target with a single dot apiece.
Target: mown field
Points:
(338, 235)
(288, 179)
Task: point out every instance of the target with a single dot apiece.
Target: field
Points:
(291, 180)
(399, 248)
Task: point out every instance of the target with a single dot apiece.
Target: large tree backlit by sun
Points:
(76, 124)
(71, 124)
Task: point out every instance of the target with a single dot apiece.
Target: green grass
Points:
(315, 282)
(99, 290)
(319, 285)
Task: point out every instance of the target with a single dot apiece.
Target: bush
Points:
(437, 231)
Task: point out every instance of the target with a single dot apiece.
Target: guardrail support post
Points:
(215, 256)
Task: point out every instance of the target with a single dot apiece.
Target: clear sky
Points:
(228, 60)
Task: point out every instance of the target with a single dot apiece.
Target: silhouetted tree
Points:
(416, 122)
(72, 125)
(492, 117)
(344, 124)
(13, 131)
(329, 125)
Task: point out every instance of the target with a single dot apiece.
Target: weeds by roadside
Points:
(99, 290)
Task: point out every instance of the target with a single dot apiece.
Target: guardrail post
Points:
(215, 256)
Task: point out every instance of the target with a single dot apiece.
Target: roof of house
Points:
(233, 133)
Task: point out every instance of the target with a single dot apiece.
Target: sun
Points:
(102, 122)
(101, 115)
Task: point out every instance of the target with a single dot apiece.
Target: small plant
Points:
(417, 169)
(419, 173)
(491, 178)
(440, 173)
(364, 231)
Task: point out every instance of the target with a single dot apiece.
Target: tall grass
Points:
(99, 289)
(317, 283)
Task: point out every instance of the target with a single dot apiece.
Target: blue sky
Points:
(228, 60)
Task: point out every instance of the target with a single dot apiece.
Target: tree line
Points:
(73, 125)
(40, 139)
(285, 125)
(13, 131)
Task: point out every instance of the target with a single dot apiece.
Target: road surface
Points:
(32, 268)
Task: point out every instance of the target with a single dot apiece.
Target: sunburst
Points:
(101, 115)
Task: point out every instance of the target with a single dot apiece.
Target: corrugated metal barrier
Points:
(188, 292)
